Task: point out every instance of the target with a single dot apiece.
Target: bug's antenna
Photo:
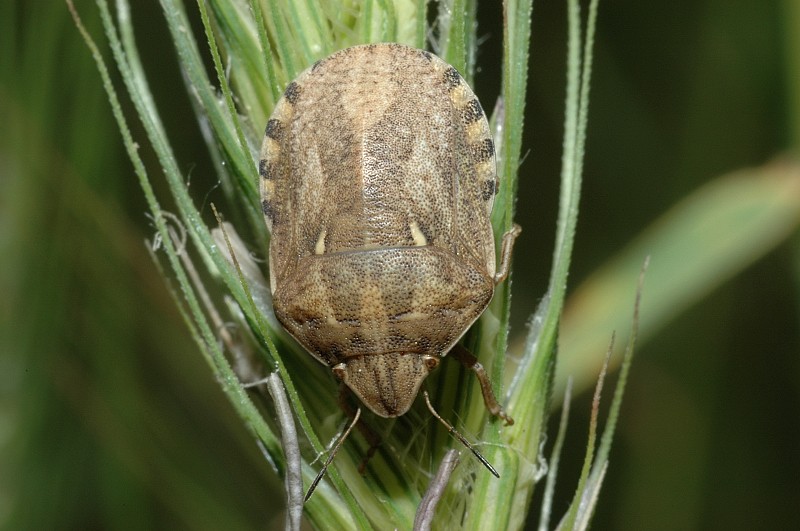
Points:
(460, 437)
(333, 454)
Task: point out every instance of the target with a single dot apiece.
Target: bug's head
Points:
(386, 383)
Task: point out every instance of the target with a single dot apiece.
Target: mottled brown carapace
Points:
(377, 178)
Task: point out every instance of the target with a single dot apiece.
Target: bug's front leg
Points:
(471, 362)
(505, 253)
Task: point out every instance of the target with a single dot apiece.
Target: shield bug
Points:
(377, 177)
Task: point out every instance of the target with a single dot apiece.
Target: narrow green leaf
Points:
(694, 247)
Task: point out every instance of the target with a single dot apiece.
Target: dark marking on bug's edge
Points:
(426, 54)
(292, 92)
(274, 129)
(483, 150)
(268, 210)
(316, 65)
(472, 112)
(264, 169)
(489, 189)
(452, 78)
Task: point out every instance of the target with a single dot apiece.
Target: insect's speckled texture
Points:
(377, 178)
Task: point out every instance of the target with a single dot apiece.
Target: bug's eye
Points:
(431, 362)
(339, 371)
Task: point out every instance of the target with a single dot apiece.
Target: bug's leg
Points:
(333, 453)
(371, 436)
(458, 436)
(471, 362)
(505, 254)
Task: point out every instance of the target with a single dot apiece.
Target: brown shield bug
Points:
(377, 178)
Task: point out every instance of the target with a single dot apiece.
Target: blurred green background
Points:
(110, 419)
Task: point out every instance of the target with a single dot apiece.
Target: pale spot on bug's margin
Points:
(419, 238)
(320, 247)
